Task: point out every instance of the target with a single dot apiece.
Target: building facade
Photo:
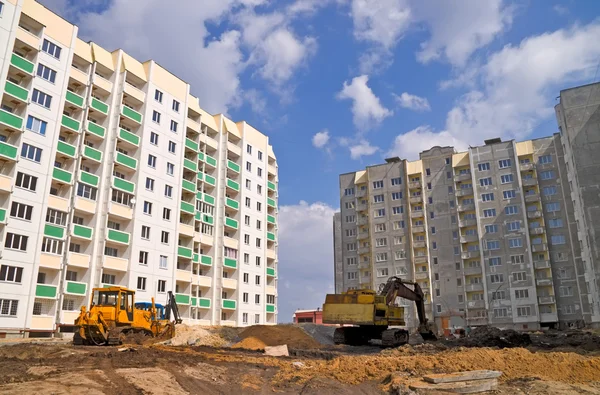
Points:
(112, 174)
(489, 234)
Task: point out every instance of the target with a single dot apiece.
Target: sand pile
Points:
(258, 336)
(198, 336)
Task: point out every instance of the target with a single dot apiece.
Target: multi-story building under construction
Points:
(491, 234)
(112, 174)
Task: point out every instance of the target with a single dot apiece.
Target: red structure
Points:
(308, 316)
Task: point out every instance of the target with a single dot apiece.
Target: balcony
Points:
(234, 148)
(92, 154)
(79, 76)
(229, 304)
(539, 247)
(131, 114)
(469, 254)
(2, 216)
(271, 219)
(418, 229)
(207, 219)
(528, 182)
(364, 250)
(184, 276)
(182, 299)
(123, 185)
(462, 177)
(466, 207)
(474, 287)
(120, 210)
(205, 281)
(417, 214)
(65, 149)
(534, 214)
(526, 166)
(543, 282)
(536, 231)
(532, 197)
(45, 291)
(416, 199)
(476, 321)
(420, 259)
(114, 263)
(363, 235)
(22, 64)
(212, 143)
(541, 264)
(418, 244)
(78, 260)
(82, 232)
(71, 124)
(270, 272)
(466, 223)
(548, 317)
(126, 160)
(190, 144)
(475, 304)
(270, 308)
(468, 238)
(233, 185)
(8, 151)
(186, 230)
(187, 207)
(17, 92)
(75, 288)
(421, 275)
(6, 183)
(231, 223)
(232, 203)
(204, 303)
(271, 203)
(210, 180)
(96, 129)
(472, 270)
(75, 99)
(464, 192)
(62, 176)
(184, 252)
(546, 300)
(229, 283)
(205, 260)
(188, 186)
(50, 261)
(272, 169)
(362, 207)
(190, 165)
(134, 93)
(271, 186)
(208, 199)
(11, 120)
(209, 160)
(100, 82)
(271, 254)
(117, 236)
(128, 138)
(270, 236)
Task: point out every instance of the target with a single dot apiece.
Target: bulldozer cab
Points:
(114, 302)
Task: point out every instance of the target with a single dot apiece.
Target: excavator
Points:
(366, 315)
(113, 315)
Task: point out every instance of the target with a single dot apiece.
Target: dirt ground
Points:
(312, 368)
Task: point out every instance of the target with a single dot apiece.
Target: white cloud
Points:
(413, 102)
(367, 110)
(409, 144)
(560, 10)
(320, 139)
(256, 101)
(380, 21)
(362, 148)
(304, 227)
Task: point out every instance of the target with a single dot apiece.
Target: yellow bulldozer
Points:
(367, 315)
(113, 315)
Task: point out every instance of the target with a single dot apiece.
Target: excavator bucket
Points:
(428, 330)
(428, 335)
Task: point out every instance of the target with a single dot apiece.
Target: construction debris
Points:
(277, 351)
(462, 376)
(460, 387)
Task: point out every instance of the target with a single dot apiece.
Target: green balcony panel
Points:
(196, 258)
(2, 215)
(233, 185)
(270, 272)
(123, 185)
(232, 223)
(16, 91)
(118, 236)
(208, 219)
(198, 216)
(271, 236)
(232, 203)
(76, 288)
(205, 260)
(45, 291)
(199, 195)
(200, 176)
(211, 161)
(204, 302)
(92, 153)
(67, 149)
(187, 208)
(74, 98)
(194, 301)
(54, 231)
(271, 202)
(131, 114)
(8, 151)
(229, 304)
(89, 178)
(62, 175)
(83, 232)
(188, 164)
(229, 262)
(129, 137)
(11, 120)
(270, 308)
(70, 123)
(184, 252)
(201, 156)
(191, 145)
(210, 180)
(182, 299)
(233, 166)
(126, 160)
(96, 129)
(99, 105)
(271, 185)
(270, 219)
(209, 199)
(188, 186)
(22, 63)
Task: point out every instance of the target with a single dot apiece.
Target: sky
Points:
(338, 85)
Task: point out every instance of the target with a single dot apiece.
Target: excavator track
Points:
(394, 337)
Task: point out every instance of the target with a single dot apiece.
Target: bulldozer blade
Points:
(428, 336)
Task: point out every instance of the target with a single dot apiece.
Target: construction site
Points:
(221, 360)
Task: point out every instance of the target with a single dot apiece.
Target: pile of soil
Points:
(199, 336)
(489, 336)
(258, 336)
(321, 333)
(582, 340)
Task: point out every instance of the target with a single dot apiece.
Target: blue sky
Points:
(342, 84)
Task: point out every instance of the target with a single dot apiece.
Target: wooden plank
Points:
(462, 376)
(459, 387)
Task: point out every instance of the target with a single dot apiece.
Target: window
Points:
(86, 191)
(447, 161)
(258, 261)
(434, 245)
(487, 197)
(433, 230)
(163, 263)
(510, 194)
(495, 261)
(145, 232)
(249, 203)
(519, 276)
(348, 191)
(483, 166)
(493, 245)
(259, 189)
(497, 278)
(521, 293)
(156, 116)
(378, 199)
(257, 280)
(8, 307)
(248, 184)
(557, 239)
(397, 210)
(506, 178)
(162, 286)
(245, 297)
(257, 242)
(565, 291)
(382, 272)
(380, 228)
(164, 237)
(549, 191)
(504, 163)
(547, 175)
(429, 185)
(399, 255)
(247, 218)
(153, 138)
(490, 212)
(249, 166)
(511, 210)
(152, 161)
(259, 224)
(396, 181)
(166, 214)
(51, 49)
(52, 246)
(170, 168)
(158, 95)
(517, 259)
(247, 239)
(545, 159)
(46, 73)
(428, 172)
(491, 229)
(485, 181)
(246, 258)
(16, 242)
(498, 295)
(377, 184)
(11, 274)
(173, 126)
(147, 208)
(259, 172)
(552, 207)
(249, 149)
(172, 146)
(501, 313)
(396, 195)
(41, 98)
(258, 206)
(36, 125)
(108, 278)
(515, 243)
(513, 226)
(555, 222)
(20, 210)
(381, 242)
(523, 311)
(143, 258)
(168, 191)
(381, 257)
(141, 283)
(260, 155)
(379, 213)
(398, 225)
(149, 184)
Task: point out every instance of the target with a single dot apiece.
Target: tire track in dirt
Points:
(123, 386)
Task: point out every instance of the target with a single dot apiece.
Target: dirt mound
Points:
(321, 333)
(582, 340)
(199, 336)
(417, 349)
(489, 336)
(258, 336)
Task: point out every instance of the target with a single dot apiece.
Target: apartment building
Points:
(112, 174)
(489, 234)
